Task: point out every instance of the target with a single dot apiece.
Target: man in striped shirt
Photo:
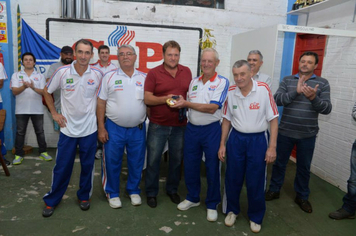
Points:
(303, 97)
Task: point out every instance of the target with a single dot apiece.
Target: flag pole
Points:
(18, 38)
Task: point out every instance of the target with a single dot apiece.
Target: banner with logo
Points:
(146, 39)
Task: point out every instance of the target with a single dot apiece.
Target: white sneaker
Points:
(255, 227)
(185, 205)
(212, 215)
(230, 219)
(135, 199)
(99, 154)
(115, 202)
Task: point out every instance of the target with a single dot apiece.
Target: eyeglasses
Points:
(129, 54)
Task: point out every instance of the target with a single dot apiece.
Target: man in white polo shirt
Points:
(79, 84)
(249, 109)
(105, 65)
(3, 77)
(206, 96)
(255, 59)
(121, 100)
(27, 85)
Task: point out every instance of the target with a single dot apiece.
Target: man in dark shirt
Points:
(166, 124)
(303, 97)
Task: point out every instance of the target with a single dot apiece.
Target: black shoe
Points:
(269, 195)
(304, 205)
(341, 214)
(174, 197)
(84, 205)
(152, 202)
(47, 211)
(7, 162)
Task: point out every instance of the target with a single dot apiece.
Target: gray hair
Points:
(241, 63)
(126, 46)
(210, 50)
(256, 52)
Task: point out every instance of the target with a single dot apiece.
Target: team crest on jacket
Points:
(212, 88)
(254, 106)
(195, 88)
(138, 83)
(90, 81)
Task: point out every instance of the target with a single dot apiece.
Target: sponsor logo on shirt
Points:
(192, 94)
(21, 77)
(36, 79)
(69, 81)
(138, 83)
(234, 107)
(69, 87)
(195, 88)
(91, 82)
(254, 106)
(212, 88)
(117, 81)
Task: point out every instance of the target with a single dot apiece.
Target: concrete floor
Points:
(21, 206)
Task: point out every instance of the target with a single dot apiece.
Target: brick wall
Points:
(238, 16)
(337, 130)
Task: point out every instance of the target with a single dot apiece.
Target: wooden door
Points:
(308, 42)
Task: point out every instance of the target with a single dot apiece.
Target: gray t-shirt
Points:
(57, 93)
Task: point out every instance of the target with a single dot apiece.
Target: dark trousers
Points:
(350, 198)
(21, 125)
(157, 137)
(305, 151)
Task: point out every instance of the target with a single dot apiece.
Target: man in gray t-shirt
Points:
(66, 59)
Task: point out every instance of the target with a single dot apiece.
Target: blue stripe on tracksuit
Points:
(246, 157)
(134, 139)
(199, 139)
(62, 171)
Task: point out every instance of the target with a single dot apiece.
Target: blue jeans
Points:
(21, 126)
(350, 198)
(305, 151)
(157, 137)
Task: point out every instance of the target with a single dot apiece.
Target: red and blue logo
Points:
(90, 81)
(138, 83)
(212, 87)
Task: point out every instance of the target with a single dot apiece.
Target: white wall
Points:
(337, 130)
(238, 16)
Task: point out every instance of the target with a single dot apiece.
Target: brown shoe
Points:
(304, 205)
(269, 195)
(341, 214)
